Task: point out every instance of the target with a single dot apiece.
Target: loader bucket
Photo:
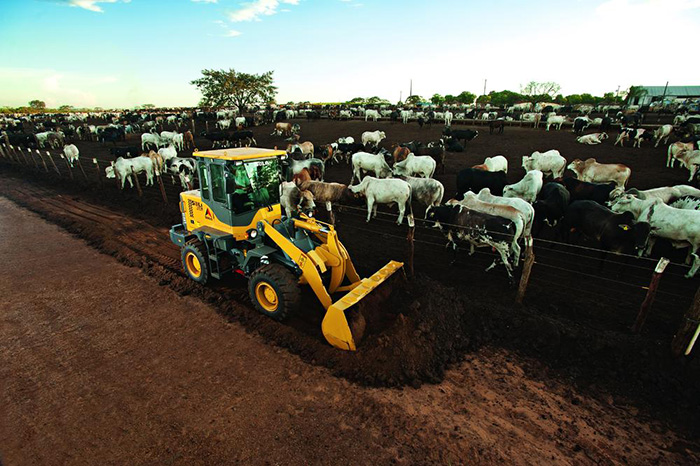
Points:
(335, 324)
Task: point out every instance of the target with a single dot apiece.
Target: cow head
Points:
(109, 171)
(577, 166)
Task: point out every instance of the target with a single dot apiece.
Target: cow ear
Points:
(624, 227)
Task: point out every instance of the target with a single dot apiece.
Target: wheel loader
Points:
(234, 224)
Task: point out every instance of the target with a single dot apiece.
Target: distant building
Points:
(656, 93)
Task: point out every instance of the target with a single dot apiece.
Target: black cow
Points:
(239, 138)
(550, 205)
(460, 134)
(313, 115)
(580, 124)
(605, 124)
(476, 228)
(585, 191)
(496, 125)
(126, 152)
(452, 145)
(217, 138)
(633, 120)
(112, 134)
(21, 139)
(473, 179)
(614, 232)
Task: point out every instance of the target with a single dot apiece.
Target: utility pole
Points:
(664, 96)
(400, 96)
(410, 90)
(484, 87)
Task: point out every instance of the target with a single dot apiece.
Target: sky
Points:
(123, 53)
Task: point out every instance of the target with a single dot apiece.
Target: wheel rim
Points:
(266, 296)
(193, 265)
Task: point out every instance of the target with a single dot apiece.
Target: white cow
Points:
(167, 153)
(665, 193)
(448, 118)
(386, 191)
(593, 138)
(550, 162)
(526, 189)
(150, 138)
(422, 166)
(497, 163)
(293, 199)
(662, 132)
(525, 208)
(556, 120)
(240, 122)
(124, 168)
(374, 163)
(223, 124)
(691, 160)
(71, 152)
(426, 191)
(373, 114)
(179, 141)
(680, 226)
(405, 115)
(166, 137)
(374, 137)
(675, 150)
(346, 140)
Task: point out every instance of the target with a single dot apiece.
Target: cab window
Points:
(204, 180)
(218, 183)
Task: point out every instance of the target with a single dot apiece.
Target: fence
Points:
(551, 267)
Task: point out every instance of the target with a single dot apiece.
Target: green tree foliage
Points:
(148, 106)
(466, 97)
(505, 98)
(414, 99)
(541, 91)
(66, 108)
(437, 99)
(483, 99)
(37, 105)
(222, 88)
(633, 93)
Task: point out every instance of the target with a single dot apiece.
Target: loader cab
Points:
(239, 186)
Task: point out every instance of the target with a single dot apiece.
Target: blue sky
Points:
(121, 53)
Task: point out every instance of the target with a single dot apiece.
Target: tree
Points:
(148, 106)
(483, 99)
(414, 99)
(437, 99)
(535, 89)
(66, 108)
(504, 98)
(221, 88)
(466, 97)
(37, 105)
(450, 99)
(634, 93)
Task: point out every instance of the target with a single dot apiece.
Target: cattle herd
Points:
(484, 211)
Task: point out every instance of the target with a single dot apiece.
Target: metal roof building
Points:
(672, 92)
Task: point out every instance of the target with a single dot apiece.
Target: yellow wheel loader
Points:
(234, 224)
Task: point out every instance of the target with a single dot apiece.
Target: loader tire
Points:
(274, 291)
(195, 261)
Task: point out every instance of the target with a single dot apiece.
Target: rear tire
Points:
(195, 261)
(274, 291)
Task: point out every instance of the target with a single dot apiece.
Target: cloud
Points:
(91, 5)
(252, 11)
(232, 33)
(205, 1)
(648, 9)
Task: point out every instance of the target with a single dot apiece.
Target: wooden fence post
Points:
(31, 156)
(162, 188)
(99, 172)
(194, 131)
(525, 276)
(2, 151)
(55, 167)
(136, 180)
(80, 165)
(651, 294)
(411, 248)
(688, 332)
(43, 162)
(26, 162)
(70, 172)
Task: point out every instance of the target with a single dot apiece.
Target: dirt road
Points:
(100, 364)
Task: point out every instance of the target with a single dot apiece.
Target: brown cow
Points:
(188, 140)
(400, 153)
(302, 176)
(328, 193)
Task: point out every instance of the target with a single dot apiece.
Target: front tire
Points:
(274, 291)
(195, 261)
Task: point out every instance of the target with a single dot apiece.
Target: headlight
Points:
(252, 233)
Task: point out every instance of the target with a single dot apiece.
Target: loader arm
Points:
(330, 254)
